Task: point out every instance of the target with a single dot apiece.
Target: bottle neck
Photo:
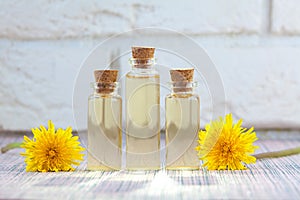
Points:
(142, 64)
(105, 88)
(183, 88)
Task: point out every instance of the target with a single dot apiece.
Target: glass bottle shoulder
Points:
(189, 96)
(135, 73)
(105, 96)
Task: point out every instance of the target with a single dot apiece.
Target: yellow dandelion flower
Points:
(52, 151)
(224, 145)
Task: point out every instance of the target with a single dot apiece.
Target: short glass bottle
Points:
(182, 126)
(104, 128)
(143, 115)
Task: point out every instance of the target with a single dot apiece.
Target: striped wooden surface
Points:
(267, 179)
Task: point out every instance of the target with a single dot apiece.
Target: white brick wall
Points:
(255, 45)
(46, 19)
(285, 17)
(202, 16)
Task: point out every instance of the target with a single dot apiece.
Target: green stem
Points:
(11, 146)
(276, 154)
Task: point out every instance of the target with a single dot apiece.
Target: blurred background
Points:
(254, 44)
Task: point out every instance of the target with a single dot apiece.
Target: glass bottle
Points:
(105, 123)
(182, 121)
(143, 111)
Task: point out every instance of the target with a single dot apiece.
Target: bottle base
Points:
(102, 168)
(143, 169)
(183, 168)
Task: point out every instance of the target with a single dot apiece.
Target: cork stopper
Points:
(143, 52)
(182, 75)
(106, 76)
(105, 80)
(181, 79)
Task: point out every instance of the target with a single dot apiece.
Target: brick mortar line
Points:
(232, 37)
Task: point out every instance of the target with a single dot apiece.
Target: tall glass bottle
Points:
(143, 111)
(182, 121)
(105, 123)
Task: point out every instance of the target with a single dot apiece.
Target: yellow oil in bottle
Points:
(182, 126)
(142, 122)
(104, 132)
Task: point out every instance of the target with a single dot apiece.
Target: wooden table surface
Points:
(267, 179)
